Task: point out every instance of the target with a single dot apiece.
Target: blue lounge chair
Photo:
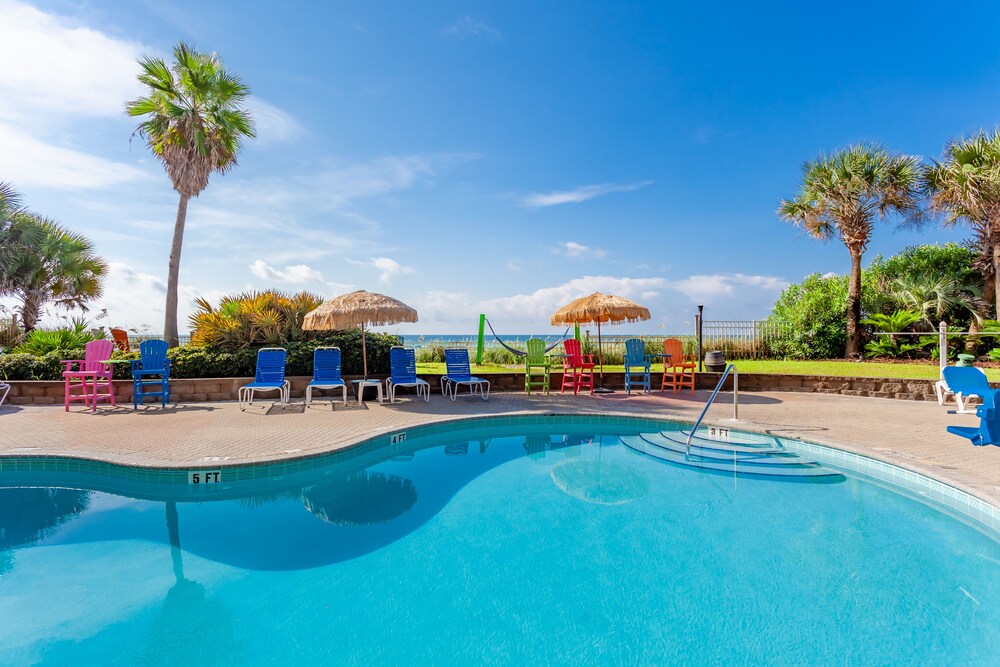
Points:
(151, 373)
(270, 376)
(459, 373)
(963, 382)
(326, 372)
(637, 365)
(988, 431)
(403, 373)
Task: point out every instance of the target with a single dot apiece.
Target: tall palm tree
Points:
(965, 186)
(843, 196)
(194, 124)
(42, 262)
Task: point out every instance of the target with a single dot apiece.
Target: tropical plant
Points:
(43, 341)
(936, 297)
(965, 186)
(195, 125)
(843, 195)
(254, 318)
(42, 262)
(888, 344)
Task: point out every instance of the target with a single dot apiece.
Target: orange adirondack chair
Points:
(92, 374)
(678, 370)
(578, 368)
(121, 339)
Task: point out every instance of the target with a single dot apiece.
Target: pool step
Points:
(668, 438)
(783, 467)
(759, 457)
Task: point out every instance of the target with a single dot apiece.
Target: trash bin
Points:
(965, 360)
(715, 361)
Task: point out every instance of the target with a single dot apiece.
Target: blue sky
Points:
(475, 157)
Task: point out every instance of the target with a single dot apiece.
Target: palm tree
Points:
(936, 297)
(42, 262)
(843, 195)
(965, 186)
(195, 124)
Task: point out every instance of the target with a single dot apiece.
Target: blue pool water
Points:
(554, 546)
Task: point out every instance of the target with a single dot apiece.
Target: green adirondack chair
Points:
(537, 366)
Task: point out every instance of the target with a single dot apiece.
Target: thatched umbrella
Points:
(598, 308)
(358, 309)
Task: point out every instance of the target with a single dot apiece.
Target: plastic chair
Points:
(458, 372)
(326, 372)
(92, 374)
(678, 366)
(578, 368)
(536, 359)
(120, 336)
(5, 389)
(964, 382)
(637, 363)
(403, 373)
(151, 370)
(988, 432)
(269, 376)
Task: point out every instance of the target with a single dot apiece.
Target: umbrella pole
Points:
(364, 351)
(600, 357)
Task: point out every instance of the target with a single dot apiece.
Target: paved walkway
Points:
(909, 434)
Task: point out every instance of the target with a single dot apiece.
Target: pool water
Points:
(554, 546)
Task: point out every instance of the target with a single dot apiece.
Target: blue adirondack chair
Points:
(151, 373)
(403, 373)
(269, 376)
(988, 431)
(459, 372)
(326, 372)
(637, 365)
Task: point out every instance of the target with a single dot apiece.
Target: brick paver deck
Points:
(905, 433)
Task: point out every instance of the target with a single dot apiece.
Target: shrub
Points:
(816, 309)
(188, 361)
(501, 357)
(269, 318)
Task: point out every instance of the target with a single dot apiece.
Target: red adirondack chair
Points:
(578, 368)
(92, 374)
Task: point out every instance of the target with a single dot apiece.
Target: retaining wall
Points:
(225, 389)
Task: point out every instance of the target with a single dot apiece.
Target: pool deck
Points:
(909, 434)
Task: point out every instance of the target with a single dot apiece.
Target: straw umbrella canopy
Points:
(600, 308)
(359, 308)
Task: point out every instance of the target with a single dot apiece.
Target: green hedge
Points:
(202, 362)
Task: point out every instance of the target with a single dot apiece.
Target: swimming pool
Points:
(508, 542)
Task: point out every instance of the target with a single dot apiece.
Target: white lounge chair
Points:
(962, 382)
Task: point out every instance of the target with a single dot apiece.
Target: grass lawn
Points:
(836, 368)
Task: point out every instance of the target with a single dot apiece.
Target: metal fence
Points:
(744, 339)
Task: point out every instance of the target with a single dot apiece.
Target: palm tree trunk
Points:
(854, 305)
(173, 274)
(31, 311)
(996, 268)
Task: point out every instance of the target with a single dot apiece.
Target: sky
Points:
(505, 157)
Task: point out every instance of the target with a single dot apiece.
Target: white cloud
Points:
(580, 194)
(540, 304)
(297, 273)
(342, 184)
(710, 287)
(53, 66)
(468, 27)
(574, 249)
(135, 299)
(388, 268)
(29, 161)
(273, 125)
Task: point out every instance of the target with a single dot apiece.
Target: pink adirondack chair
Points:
(92, 374)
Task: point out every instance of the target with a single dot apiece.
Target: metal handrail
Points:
(708, 404)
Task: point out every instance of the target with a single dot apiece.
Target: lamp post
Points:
(697, 332)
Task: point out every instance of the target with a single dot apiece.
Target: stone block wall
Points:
(225, 389)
